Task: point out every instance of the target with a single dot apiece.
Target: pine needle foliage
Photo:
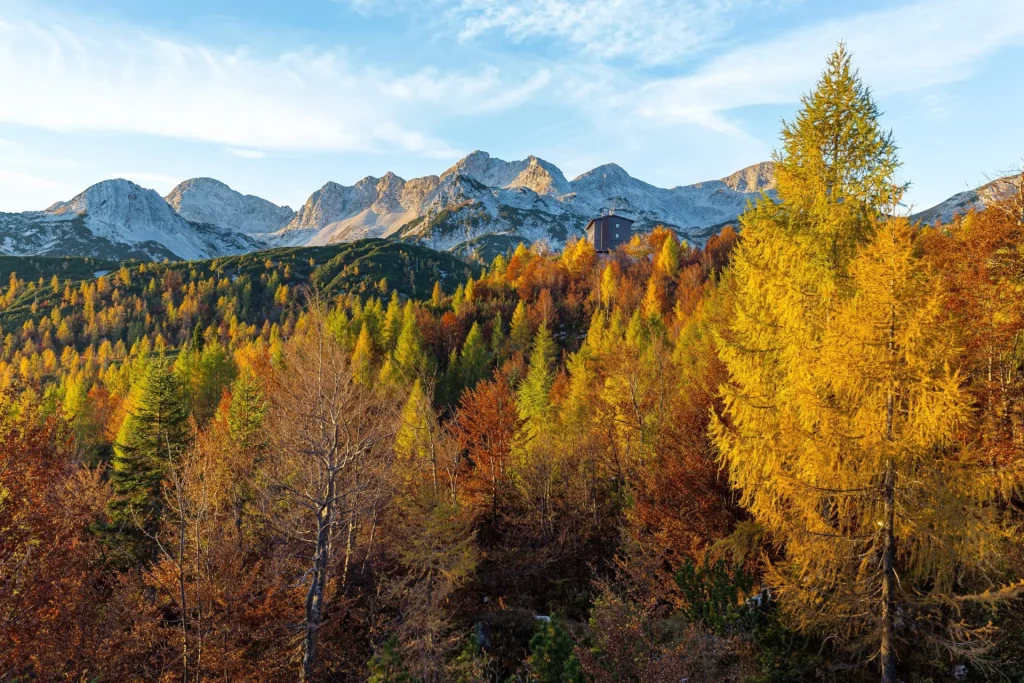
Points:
(844, 406)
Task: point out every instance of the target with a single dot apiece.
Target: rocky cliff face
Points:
(484, 198)
(757, 178)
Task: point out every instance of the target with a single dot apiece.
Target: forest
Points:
(792, 454)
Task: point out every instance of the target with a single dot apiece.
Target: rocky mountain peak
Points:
(757, 178)
(113, 199)
(390, 182)
(195, 184)
(123, 217)
(542, 177)
(604, 172)
(389, 193)
(972, 200)
(478, 166)
(206, 200)
(480, 202)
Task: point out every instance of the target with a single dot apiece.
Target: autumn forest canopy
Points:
(795, 453)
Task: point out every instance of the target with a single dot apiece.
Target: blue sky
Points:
(276, 98)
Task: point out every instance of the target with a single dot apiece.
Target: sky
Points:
(276, 98)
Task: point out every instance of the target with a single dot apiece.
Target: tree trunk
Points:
(887, 650)
(182, 594)
(315, 594)
(349, 543)
(887, 646)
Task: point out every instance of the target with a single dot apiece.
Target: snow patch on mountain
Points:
(971, 200)
(480, 200)
(532, 173)
(119, 219)
(205, 200)
(530, 199)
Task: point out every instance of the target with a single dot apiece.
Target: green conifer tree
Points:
(215, 372)
(247, 413)
(409, 360)
(498, 338)
(553, 657)
(474, 360)
(154, 433)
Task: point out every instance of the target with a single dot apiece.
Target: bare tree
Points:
(330, 436)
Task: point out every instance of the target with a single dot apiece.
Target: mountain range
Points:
(970, 200)
(479, 207)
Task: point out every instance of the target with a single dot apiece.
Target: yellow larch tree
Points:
(843, 407)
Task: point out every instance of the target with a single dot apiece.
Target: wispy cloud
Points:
(245, 153)
(23, 191)
(913, 47)
(650, 31)
(115, 78)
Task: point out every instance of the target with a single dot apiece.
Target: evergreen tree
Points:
(247, 413)
(409, 361)
(451, 382)
(498, 338)
(386, 664)
(249, 440)
(216, 371)
(197, 337)
(474, 360)
(553, 657)
(153, 435)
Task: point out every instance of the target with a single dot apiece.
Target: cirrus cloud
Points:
(85, 77)
(912, 47)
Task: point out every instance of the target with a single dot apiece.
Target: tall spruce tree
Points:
(247, 413)
(841, 406)
(153, 435)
